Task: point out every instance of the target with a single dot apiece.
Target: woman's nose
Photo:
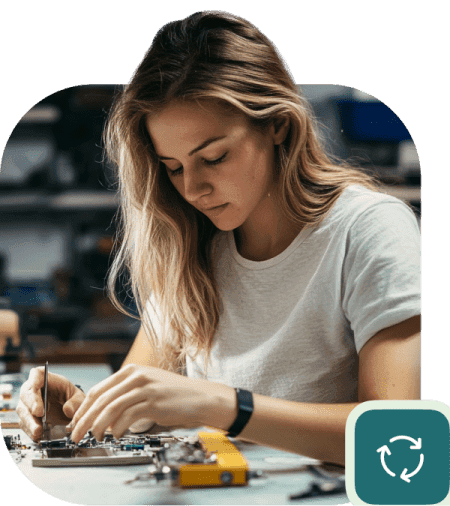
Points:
(195, 185)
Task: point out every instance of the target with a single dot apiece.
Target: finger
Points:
(95, 392)
(106, 410)
(115, 411)
(30, 424)
(129, 417)
(99, 397)
(37, 377)
(30, 393)
(73, 403)
(142, 425)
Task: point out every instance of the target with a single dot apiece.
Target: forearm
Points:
(140, 352)
(311, 429)
(314, 430)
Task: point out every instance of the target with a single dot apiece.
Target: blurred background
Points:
(57, 204)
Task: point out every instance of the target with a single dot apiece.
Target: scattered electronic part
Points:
(10, 390)
(8, 442)
(206, 460)
(210, 460)
(13, 443)
(6, 390)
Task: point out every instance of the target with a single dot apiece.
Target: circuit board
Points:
(208, 459)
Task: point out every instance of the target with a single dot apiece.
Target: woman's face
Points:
(215, 159)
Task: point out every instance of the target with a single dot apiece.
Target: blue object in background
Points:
(370, 122)
(30, 296)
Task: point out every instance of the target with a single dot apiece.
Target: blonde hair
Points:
(165, 243)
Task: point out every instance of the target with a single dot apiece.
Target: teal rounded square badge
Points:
(397, 452)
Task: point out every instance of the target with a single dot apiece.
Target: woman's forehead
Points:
(186, 124)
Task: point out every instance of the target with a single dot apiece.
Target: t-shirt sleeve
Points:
(381, 275)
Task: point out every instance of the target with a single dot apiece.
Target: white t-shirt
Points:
(291, 327)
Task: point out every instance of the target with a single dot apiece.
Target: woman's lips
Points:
(214, 211)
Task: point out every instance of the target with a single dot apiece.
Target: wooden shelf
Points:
(75, 352)
(73, 200)
(98, 200)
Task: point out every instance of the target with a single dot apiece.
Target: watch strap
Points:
(245, 410)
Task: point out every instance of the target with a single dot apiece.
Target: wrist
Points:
(220, 408)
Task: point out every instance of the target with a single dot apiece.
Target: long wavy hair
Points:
(163, 243)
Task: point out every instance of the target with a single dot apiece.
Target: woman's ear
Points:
(280, 129)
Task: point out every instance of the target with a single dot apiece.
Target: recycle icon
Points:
(416, 445)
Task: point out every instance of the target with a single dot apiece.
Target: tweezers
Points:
(45, 427)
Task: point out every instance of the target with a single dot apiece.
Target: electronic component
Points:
(92, 456)
(8, 442)
(208, 459)
(13, 443)
(6, 390)
(9, 396)
(132, 447)
(88, 452)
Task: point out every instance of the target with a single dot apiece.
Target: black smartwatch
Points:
(245, 410)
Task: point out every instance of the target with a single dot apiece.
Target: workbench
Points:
(284, 473)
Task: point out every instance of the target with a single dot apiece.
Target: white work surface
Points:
(285, 474)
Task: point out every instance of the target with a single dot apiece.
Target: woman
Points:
(268, 278)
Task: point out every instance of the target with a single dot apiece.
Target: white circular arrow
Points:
(417, 445)
(406, 476)
(383, 450)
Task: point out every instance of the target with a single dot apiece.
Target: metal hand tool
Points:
(45, 426)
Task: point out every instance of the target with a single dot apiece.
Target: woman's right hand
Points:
(63, 397)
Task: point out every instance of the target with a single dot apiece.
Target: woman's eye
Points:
(175, 172)
(216, 161)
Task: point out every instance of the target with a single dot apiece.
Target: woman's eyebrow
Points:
(203, 145)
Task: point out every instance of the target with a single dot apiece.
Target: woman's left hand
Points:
(136, 392)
